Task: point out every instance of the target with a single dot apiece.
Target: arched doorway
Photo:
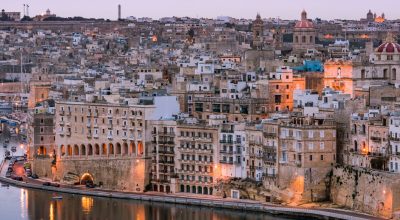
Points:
(42, 150)
(69, 150)
(193, 189)
(83, 150)
(86, 178)
(161, 188)
(140, 148)
(199, 190)
(96, 149)
(110, 149)
(62, 150)
(90, 150)
(168, 189)
(133, 148)
(211, 190)
(118, 149)
(76, 150)
(205, 191)
(104, 150)
(126, 149)
(155, 188)
(188, 189)
(182, 188)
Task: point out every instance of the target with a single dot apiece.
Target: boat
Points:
(56, 197)
(4, 185)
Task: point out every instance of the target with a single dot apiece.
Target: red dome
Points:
(388, 48)
(304, 24)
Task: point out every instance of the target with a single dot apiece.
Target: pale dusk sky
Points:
(285, 9)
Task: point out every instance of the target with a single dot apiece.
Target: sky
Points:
(284, 9)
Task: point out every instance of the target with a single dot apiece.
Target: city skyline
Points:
(238, 9)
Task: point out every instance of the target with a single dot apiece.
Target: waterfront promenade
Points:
(188, 199)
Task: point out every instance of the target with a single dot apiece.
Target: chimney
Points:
(119, 12)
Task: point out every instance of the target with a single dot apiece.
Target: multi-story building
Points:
(163, 155)
(196, 165)
(307, 150)
(97, 139)
(244, 109)
(233, 157)
(281, 85)
(41, 137)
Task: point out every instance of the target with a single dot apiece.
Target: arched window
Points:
(83, 150)
(76, 150)
(355, 146)
(104, 150)
(118, 152)
(297, 39)
(90, 150)
(62, 150)
(132, 148)
(110, 149)
(69, 150)
(303, 39)
(140, 148)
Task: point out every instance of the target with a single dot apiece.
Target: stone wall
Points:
(42, 167)
(114, 173)
(372, 192)
(298, 185)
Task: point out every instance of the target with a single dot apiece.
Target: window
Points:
(322, 157)
(310, 157)
(322, 134)
(321, 145)
(310, 146)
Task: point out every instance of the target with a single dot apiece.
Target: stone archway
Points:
(85, 178)
(125, 149)
(118, 149)
(90, 150)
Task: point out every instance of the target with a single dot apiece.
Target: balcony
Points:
(110, 126)
(89, 135)
(269, 135)
(61, 123)
(68, 112)
(227, 151)
(226, 141)
(124, 137)
(96, 136)
(88, 114)
(109, 115)
(166, 152)
(95, 125)
(62, 112)
(88, 125)
(227, 131)
(68, 133)
(110, 137)
(166, 142)
(131, 137)
(394, 138)
(376, 139)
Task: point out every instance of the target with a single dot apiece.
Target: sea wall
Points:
(372, 192)
(113, 173)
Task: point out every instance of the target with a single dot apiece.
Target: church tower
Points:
(258, 30)
(303, 34)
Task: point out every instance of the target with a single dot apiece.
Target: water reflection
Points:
(34, 204)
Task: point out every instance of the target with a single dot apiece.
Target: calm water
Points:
(17, 203)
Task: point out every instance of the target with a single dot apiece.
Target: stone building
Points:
(258, 33)
(306, 152)
(103, 143)
(163, 172)
(41, 138)
(304, 35)
(244, 109)
(281, 85)
(196, 165)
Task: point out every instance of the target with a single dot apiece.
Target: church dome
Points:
(390, 46)
(304, 22)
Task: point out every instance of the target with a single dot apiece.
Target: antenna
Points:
(24, 10)
(27, 10)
